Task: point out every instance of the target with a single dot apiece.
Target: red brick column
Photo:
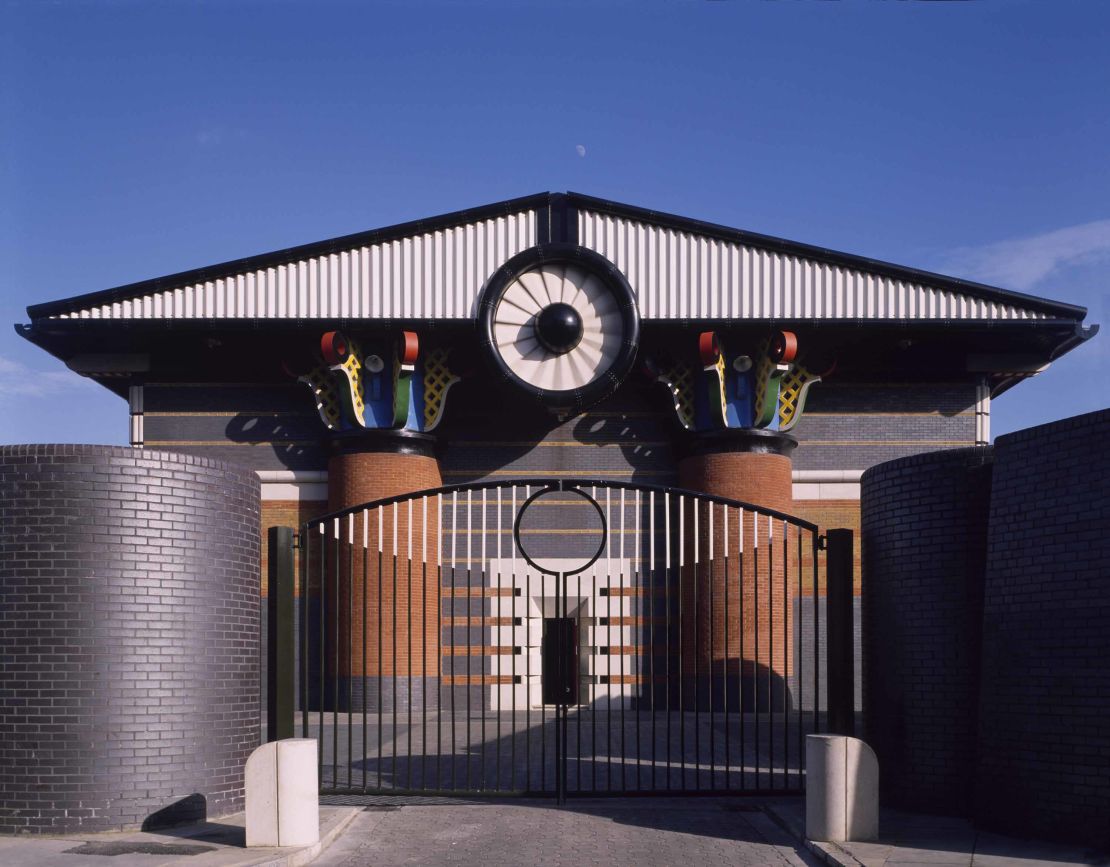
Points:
(392, 595)
(750, 652)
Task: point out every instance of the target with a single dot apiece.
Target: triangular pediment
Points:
(435, 269)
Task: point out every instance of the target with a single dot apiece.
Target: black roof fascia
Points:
(848, 260)
(280, 257)
(63, 327)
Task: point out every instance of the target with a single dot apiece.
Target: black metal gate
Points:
(559, 637)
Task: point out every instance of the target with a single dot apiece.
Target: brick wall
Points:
(923, 534)
(857, 425)
(1044, 737)
(986, 602)
(129, 625)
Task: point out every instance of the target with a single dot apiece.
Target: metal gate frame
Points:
(329, 571)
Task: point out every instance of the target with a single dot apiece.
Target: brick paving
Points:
(612, 832)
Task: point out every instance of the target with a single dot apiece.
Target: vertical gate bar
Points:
(336, 669)
(393, 666)
(609, 679)
(608, 667)
(740, 692)
(839, 675)
(681, 654)
(497, 619)
(527, 647)
(566, 704)
(527, 662)
(709, 674)
(667, 632)
(755, 632)
(350, 644)
(620, 608)
(695, 508)
(454, 607)
(638, 583)
(424, 641)
(408, 606)
(543, 704)
(381, 657)
(560, 707)
(323, 641)
(800, 682)
(365, 629)
(482, 667)
(816, 643)
(785, 659)
(770, 652)
(652, 614)
(469, 640)
(725, 661)
(439, 640)
(304, 571)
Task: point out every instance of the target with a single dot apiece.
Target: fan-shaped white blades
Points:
(514, 327)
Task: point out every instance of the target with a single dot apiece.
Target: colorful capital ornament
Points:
(355, 387)
(732, 386)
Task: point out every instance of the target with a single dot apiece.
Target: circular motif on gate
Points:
(560, 321)
(560, 531)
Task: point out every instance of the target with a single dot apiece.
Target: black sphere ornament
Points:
(559, 327)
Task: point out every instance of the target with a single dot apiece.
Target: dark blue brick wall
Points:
(1044, 736)
(985, 608)
(923, 534)
(129, 633)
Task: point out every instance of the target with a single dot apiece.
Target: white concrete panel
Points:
(842, 789)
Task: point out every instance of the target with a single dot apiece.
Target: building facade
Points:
(715, 396)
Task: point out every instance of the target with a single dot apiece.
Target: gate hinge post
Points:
(822, 543)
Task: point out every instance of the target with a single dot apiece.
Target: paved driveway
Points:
(617, 832)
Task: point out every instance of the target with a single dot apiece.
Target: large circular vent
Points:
(561, 322)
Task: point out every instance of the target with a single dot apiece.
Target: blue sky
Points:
(143, 139)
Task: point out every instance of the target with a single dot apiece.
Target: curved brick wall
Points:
(923, 539)
(129, 629)
(1044, 761)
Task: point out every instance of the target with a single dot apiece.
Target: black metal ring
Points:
(549, 489)
(606, 383)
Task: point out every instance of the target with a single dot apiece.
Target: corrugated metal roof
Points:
(435, 269)
(686, 275)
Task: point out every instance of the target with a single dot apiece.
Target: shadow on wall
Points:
(297, 441)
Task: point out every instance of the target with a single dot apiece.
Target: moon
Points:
(581, 149)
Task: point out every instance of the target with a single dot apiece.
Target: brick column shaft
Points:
(753, 646)
(389, 600)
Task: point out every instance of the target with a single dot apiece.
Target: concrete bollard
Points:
(282, 794)
(842, 789)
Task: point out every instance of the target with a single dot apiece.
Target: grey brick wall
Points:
(1044, 737)
(129, 631)
(923, 536)
(853, 426)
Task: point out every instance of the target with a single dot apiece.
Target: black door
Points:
(559, 651)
